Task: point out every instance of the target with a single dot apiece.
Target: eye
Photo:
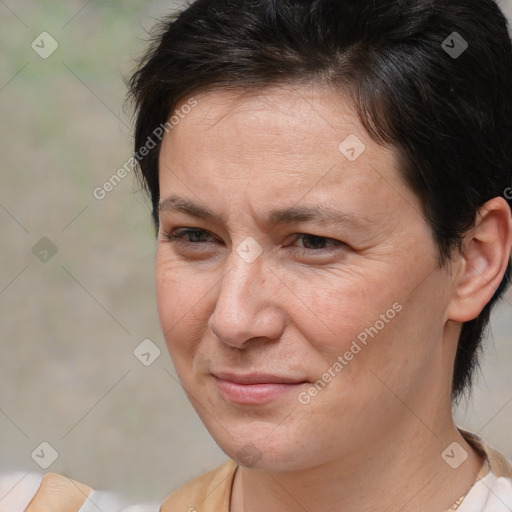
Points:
(315, 243)
(194, 238)
(195, 235)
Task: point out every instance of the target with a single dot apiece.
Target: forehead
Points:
(275, 144)
(273, 116)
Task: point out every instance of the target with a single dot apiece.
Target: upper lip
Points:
(256, 378)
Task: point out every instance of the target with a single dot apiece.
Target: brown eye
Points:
(193, 235)
(314, 242)
(187, 236)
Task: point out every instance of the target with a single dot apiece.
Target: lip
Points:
(254, 388)
(256, 378)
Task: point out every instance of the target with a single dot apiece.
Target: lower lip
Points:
(254, 394)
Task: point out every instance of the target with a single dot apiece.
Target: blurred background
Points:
(76, 272)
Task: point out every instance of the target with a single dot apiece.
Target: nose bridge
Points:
(239, 280)
(242, 309)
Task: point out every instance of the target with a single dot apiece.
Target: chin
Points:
(260, 445)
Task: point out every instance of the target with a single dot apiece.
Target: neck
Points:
(403, 471)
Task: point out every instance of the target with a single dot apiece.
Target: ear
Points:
(485, 255)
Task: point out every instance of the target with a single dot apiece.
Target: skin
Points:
(59, 494)
(372, 438)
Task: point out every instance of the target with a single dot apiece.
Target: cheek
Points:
(333, 308)
(181, 297)
(382, 325)
(405, 345)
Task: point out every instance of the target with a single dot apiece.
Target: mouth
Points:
(255, 389)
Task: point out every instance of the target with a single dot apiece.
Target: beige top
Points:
(211, 492)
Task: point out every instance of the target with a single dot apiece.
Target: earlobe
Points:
(485, 256)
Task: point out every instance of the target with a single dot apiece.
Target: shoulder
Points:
(17, 489)
(33, 491)
(26, 492)
(498, 463)
(209, 492)
(490, 494)
(493, 492)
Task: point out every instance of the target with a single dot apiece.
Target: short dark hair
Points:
(445, 109)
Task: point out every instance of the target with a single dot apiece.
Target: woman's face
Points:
(302, 303)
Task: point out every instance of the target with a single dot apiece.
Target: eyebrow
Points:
(321, 214)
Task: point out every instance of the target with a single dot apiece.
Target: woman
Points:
(329, 187)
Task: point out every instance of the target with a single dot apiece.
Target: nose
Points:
(246, 307)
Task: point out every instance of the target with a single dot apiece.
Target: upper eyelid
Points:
(184, 230)
(177, 232)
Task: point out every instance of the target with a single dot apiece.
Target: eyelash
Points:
(176, 237)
